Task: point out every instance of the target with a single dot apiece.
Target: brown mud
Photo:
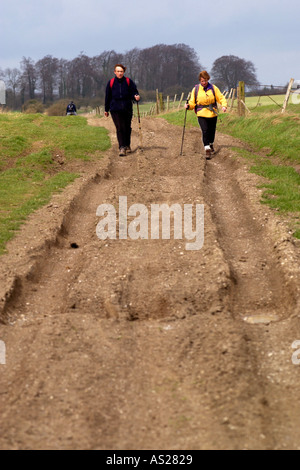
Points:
(142, 344)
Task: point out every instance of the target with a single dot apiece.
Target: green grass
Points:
(276, 136)
(29, 175)
(259, 103)
(177, 118)
(18, 132)
(281, 188)
(147, 106)
(283, 191)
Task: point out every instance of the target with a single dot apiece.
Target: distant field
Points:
(145, 107)
(253, 103)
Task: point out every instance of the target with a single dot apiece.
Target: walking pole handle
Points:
(140, 128)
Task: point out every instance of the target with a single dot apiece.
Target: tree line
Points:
(169, 68)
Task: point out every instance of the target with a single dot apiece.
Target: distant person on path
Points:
(204, 101)
(120, 93)
(71, 109)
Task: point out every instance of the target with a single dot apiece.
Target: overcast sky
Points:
(266, 32)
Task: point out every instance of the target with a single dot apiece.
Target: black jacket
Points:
(71, 108)
(120, 96)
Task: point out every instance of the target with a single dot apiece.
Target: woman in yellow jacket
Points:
(205, 106)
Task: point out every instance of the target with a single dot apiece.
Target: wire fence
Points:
(247, 98)
(241, 101)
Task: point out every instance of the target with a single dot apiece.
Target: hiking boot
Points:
(128, 149)
(122, 152)
(208, 154)
(212, 148)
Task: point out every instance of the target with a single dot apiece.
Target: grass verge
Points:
(281, 186)
(277, 137)
(29, 173)
(275, 133)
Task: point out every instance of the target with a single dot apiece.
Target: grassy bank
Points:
(276, 137)
(275, 133)
(267, 129)
(36, 154)
(275, 140)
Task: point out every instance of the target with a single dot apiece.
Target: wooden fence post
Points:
(157, 102)
(244, 104)
(232, 99)
(241, 99)
(287, 96)
(182, 96)
(161, 103)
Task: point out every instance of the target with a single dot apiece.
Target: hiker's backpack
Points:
(113, 80)
(210, 106)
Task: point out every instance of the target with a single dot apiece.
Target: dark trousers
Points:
(122, 121)
(208, 127)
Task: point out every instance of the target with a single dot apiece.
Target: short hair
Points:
(204, 75)
(120, 65)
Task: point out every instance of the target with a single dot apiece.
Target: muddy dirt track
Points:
(141, 344)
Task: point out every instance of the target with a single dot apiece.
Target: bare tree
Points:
(62, 78)
(166, 67)
(169, 68)
(82, 71)
(131, 59)
(47, 69)
(29, 77)
(228, 70)
(12, 78)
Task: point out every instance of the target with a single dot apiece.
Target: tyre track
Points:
(259, 290)
(263, 294)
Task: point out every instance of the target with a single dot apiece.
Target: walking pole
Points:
(140, 128)
(187, 102)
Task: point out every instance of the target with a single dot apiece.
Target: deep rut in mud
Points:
(259, 292)
(141, 344)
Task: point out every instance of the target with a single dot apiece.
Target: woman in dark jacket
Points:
(120, 93)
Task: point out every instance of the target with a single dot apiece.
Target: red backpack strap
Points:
(112, 82)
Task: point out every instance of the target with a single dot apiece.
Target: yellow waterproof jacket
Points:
(206, 98)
